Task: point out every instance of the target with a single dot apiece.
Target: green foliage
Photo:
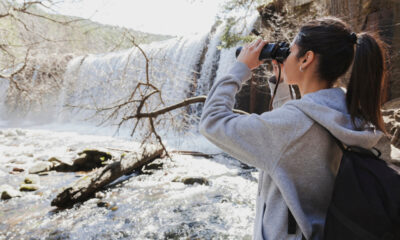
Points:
(233, 5)
(230, 39)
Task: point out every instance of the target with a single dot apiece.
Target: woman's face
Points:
(291, 66)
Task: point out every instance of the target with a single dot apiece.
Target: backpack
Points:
(365, 202)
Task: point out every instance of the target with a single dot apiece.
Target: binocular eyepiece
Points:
(278, 51)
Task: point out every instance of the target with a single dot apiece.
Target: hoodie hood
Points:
(328, 108)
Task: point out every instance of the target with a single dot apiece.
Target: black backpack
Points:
(365, 203)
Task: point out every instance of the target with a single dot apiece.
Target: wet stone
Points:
(153, 166)
(32, 179)
(90, 159)
(114, 208)
(103, 204)
(193, 180)
(18, 169)
(28, 187)
(8, 192)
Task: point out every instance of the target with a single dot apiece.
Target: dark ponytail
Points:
(333, 41)
(365, 88)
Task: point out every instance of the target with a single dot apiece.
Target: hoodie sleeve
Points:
(282, 94)
(257, 140)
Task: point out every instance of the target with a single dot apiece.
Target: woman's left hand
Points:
(251, 52)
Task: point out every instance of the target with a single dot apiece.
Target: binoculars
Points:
(278, 51)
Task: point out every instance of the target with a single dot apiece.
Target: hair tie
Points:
(353, 38)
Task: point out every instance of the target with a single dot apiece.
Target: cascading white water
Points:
(103, 79)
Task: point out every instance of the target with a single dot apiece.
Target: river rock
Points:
(40, 167)
(16, 169)
(28, 187)
(8, 192)
(193, 180)
(32, 179)
(90, 159)
(153, 166)
(103, 204)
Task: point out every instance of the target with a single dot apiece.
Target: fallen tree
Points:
(87, 186)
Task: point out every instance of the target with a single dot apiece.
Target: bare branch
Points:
(19, 70)
(184, 103)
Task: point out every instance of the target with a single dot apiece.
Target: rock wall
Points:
(280, 18)
(382, 16)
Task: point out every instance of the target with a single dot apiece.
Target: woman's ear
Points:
(307, 59)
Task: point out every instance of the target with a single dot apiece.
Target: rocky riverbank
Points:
(187, 196)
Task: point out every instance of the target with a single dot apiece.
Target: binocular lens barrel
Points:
(278, 51)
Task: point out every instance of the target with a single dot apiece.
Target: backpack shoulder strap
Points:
(374, 151)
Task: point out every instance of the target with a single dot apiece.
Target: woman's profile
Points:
(296, 157)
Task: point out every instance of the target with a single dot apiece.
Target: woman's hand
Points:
(251, 52)
(276, 70)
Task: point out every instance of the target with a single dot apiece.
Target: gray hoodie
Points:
(297, 158)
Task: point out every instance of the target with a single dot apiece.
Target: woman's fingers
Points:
(255, 43)
(250, 53)
(261, 44)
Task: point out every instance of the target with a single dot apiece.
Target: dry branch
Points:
(184, 103)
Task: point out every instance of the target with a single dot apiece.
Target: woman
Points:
(297, 158)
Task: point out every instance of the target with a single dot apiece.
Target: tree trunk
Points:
(87, 186)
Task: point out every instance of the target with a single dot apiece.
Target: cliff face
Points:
(382, 16)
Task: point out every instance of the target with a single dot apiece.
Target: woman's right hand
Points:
(250, 53)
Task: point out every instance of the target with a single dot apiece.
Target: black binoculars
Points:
(278, 51)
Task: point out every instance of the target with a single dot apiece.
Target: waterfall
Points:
(179, 67)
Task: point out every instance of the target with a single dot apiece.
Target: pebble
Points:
(28, 187)
(31, 179)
